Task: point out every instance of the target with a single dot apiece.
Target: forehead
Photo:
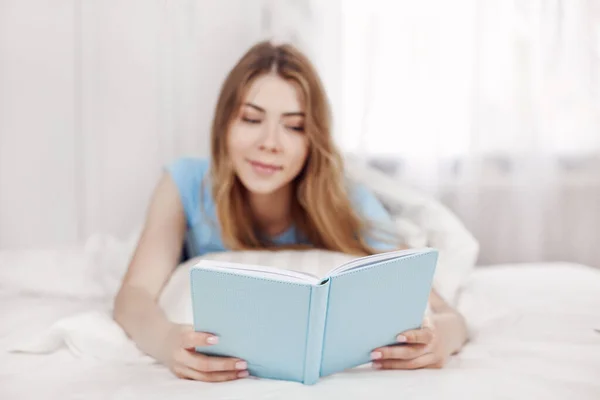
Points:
(275, 94)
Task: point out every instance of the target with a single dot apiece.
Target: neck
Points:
(272, 211)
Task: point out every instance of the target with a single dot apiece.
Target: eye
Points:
(299, 128)
(251, 120)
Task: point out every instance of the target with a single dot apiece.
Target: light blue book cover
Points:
(294, 326)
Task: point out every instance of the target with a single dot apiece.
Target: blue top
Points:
(203, 233)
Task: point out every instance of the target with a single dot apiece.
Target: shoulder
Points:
(188, 169)
(188, 174)
(370, 209)
(366, 203)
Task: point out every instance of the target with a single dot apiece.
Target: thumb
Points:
(191, 339)
(427, 323)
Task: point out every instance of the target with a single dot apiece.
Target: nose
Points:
(269, 140)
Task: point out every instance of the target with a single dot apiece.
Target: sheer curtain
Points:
(490, 105)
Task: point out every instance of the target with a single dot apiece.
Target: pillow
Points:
(422, 221)
(175, 298)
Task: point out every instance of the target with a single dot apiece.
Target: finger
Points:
(188, 373)
(204, 363)
(192, 339)
(403, 352)
(424, 336)
(428, 360)
(427, 323)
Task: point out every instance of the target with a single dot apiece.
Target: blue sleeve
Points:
(188, 173)
(370, 209)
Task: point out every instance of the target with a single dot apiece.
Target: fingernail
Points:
(401, 338)
(376, 355)
(242, 374)
(212, 340)
(376, 365)
(241, 365)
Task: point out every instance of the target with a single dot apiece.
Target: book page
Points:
(258, 271)
(362, 262)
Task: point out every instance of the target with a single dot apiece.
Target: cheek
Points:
(238, 141)
(298, 150)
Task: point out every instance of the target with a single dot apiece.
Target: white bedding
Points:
(532, 327)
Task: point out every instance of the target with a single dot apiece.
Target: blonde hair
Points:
(321, 210)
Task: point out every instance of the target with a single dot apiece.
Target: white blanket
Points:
(424, 221)
(532, 337)
(95, 335)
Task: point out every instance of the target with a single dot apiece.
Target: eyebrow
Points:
(287, 114)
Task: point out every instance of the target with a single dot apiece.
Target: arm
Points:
(449, 323)
(154, 260)
(443, 335)
(136, 308)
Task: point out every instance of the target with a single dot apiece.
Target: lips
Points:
(265, 165)
(264, 168)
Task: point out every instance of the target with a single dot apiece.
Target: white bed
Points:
(534, 327)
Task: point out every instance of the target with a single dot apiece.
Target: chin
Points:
(264, 187)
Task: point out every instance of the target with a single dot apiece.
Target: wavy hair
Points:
(321, 208)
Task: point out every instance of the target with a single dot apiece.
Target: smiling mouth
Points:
(264, 169)
(265, 166)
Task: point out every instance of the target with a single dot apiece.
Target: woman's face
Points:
(266, 140)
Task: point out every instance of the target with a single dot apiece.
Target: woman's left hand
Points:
(419, 348)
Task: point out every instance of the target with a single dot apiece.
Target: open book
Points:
(299, 327)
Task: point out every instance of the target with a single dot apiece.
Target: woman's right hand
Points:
(182, 359)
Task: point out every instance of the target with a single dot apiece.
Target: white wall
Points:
(38, 183)
(95, 97)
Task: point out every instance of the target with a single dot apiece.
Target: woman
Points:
(274, 180)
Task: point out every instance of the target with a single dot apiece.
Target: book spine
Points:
(315, 332)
